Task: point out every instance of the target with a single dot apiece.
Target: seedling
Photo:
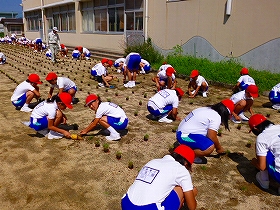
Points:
(106, 147)
(146, 137)
(203, 168)
(171, 148)
(174, 129)
(106, 90)
(243, 188)
(239, 126)
(132, 92)
(130, 165)
(108, 99)
(135, 113)
(249, 144)
(268, 115)
(116, 93)
(145, 95)
(97, 143)
(118, 155)
(127, 98)
(140, 103)
(220, 132)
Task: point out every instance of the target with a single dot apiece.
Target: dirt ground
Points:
(37, 173)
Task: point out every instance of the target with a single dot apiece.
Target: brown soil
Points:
(37, 173)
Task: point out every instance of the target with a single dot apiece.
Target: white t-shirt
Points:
(276, 88)
(157, 179)
(162, 72)
(85, 50)
(63, 82)
(199, 121)
(239, 96)
(110, 109)
(100, 69)
(2, 55)
(269, 140)
(145, 62)
(163, 98)
(21, 89)
(44, 109)
(246, 79)
(200, 80)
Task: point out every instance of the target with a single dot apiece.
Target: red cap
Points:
(180, 91)
(170, 71)
(66, 98)
(253, 90)
(91, 98)
(51, 76)
(194, 73)
(186, 152)
(104, 60)
(80, 48)
(110, 63)
(244, 71)
(228, 104)
(34, 78)
(62, 46)
(256, 119)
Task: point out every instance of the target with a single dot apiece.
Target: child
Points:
(164, 183)
(274, 97)
(132, 62)
(76, 54)
(267, 150)
(85, 53)
(64, 84)
(119, 64)
(165, 77)
(164, 104)
(243, 101)
(100, 72)
(109, 115)
(63, 51)
(49, 54)
(2, 58)
(144, 66)
(244, 81)
(197, 84)
(25, 92)
(47, 116)
(199, 129)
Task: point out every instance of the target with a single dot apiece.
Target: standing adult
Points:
(267, 149)
(164, 183)
(164, 104)
(200, 127)
(54, 43)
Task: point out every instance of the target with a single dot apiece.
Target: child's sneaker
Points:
(26, 109)
(235, 121)
(165, 120)
(100, 84)
(243, 117)
(204, 94)
(113, 137)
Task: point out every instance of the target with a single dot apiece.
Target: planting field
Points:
(37, 173)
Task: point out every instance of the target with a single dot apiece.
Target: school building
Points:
(247, 30)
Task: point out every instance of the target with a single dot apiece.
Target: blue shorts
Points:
(39, 41)
(147, 68)
(171, 202)
(195, 141)
(39, 124)
(88, 55)
(243, 86)
(21, 101)
(74, 87)
(270, 165)
(157, 112)
(133, 62)
(76, 55)
(115, 123)
(274, 98)
(93, 72)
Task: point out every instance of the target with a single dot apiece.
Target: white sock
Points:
(264, 175)
(112, 130)
(25, 105)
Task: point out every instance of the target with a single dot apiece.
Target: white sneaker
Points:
(243, 117)
(142, 72)
(26, 109)
(54, 135)
(276, 106)
(130, 84)
(113, 137)
(127, 84)
(100, 84)
(26, 123)
(165, 120)
(263, 184)
(119, 71)
(193, 91)
(43, 132)
(235, 121)
(204, 94)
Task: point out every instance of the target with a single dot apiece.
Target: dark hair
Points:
(223, 112)
(54, 98)
(261, 127)
(181, 159)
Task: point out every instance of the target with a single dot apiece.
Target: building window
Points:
(32, 20)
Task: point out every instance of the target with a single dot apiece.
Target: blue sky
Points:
(11, 6)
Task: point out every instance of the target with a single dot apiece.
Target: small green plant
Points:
(118, 155)
(130, 165)
(127, 98)
(174, 129)
(268, 115)
(219, 132)
(171, 148)
(97, 143)
(243, 188)
(249, 144)
(108, 99)
(145, 95)
(135, 113)
(203, 168)
(146, 137)
(140, 103)
(106, 147)
(239, 126)
(116, 93)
